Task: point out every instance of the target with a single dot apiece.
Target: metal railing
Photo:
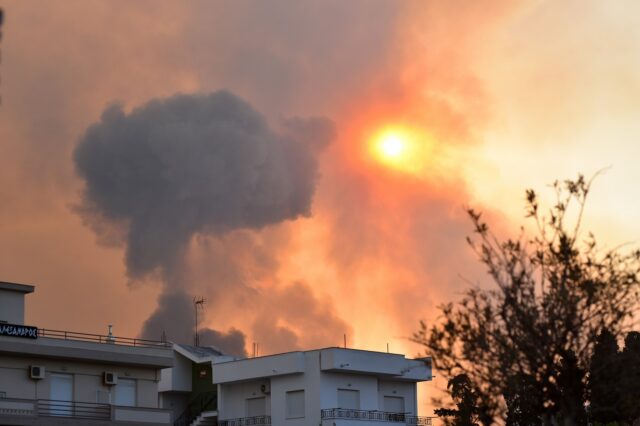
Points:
(246, 421)
(381, 416)
(207, 401)
(77, 410)
(99, 338)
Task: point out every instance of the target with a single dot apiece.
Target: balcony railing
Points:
(77, 410)
(207, 401)
(82, 411)
(381, 416)
(99, 338)
(246, 421)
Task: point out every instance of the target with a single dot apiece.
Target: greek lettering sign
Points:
(13, 330)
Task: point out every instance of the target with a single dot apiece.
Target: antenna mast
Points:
(197, 303)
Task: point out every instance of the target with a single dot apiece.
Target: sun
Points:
(392, 145)
(403, 148)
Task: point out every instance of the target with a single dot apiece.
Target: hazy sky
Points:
(261, 188)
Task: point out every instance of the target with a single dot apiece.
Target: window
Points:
(256, 407)
(61, 394)
(295, 404)
(394, 404)
(349, 399)
(126, 392)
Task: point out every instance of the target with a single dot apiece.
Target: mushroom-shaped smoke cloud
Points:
(193, 164)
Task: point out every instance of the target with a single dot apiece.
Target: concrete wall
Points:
(175, 402)
(122, 414)
(178, 378)
(399, 389)
(232, 398)
(321, 379)
(12, 307)
(366, 385)
(253, 368)
(94, 352)
(87, 379)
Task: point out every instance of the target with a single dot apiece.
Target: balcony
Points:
(74, 412)
(374, 416)
(99, 338)
(246, 421)
(94, 348)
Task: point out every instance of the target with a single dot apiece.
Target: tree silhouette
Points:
(605, 380)
(630, 378)
(523, 400)
(465, 399)
(554, 293)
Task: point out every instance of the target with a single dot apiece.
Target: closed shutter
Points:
(295, 404)
(349, 399)
(256, 407)
(394, 404)
(126, 392)
(61, 395)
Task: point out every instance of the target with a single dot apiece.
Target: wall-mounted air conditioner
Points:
(265, 388)
(36, 372)
(110, 378)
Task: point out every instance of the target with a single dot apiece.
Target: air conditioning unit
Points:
(110, 378)
(265, 388)
(36, 372)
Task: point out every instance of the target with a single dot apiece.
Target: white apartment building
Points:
(52, 377)
(326, 387)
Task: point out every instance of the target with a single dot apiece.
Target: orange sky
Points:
(507, 97)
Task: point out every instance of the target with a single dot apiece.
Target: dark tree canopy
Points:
(630, 378)
(466, 412)
(604, 380)
(531, 335)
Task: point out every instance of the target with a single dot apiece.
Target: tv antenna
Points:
(198, 303)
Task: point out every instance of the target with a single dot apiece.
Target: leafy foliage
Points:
(465, 397)
(536, 329)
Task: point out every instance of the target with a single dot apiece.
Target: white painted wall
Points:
(232, 398)
(320, 379)
(399, 389)
(178, 378)
(87, 379)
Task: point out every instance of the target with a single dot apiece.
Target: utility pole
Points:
(197, 303)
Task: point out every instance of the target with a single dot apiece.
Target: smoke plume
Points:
(174, 320)
(192, 165)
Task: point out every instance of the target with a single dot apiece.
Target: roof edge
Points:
(19, 288)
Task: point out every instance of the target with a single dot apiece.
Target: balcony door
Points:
(61, 395)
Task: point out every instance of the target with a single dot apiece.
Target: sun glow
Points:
(401, 148)
(392, 145)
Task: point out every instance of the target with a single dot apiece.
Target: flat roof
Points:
(20, 288)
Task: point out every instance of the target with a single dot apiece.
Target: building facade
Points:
(328, 387)
(67, 378)
(50, 377)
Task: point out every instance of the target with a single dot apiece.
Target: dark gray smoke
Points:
(195, 164)
(188, 165)
(174, 319)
